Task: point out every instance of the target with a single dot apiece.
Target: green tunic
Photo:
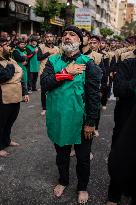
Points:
(65, 106)
(25, 77)
(34, 63)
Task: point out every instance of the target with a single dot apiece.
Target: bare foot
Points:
(58, 190)
(14, 144)
(96, 133)
(3, 153)
(83, 197)
(111, 203)
(43, 112)
(72, 153)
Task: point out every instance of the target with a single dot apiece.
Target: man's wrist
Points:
(90, 123)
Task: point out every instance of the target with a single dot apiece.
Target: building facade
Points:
(104, 13)
(19, 15)
(33, 23)
(122, 13)
(118, 14)
(130, 12)
(134, 17)
(100, 14)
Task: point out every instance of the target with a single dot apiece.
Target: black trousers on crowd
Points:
(109, 87)
(121, 115)
(104, 97)
(8, 115)
(133, 201)
(114, 192)
(83, 163)
(29, 81)
(34, 77)
(43, 100)
(32, 80)
(97, 121)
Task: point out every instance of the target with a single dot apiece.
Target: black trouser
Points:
(104, 97)
(29, 80)
(133, 201)
(109, 86)
(97, 120)
(83, 163)
(114, 192)
(121, 115)
(34, 77)
(8, 115)
(43, 100)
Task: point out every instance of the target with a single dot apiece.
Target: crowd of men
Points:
(76, 73)
(31, 53)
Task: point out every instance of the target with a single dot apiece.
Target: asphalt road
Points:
(28, 175)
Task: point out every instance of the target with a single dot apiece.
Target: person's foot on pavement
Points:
(91, 156)
(104, 108)
(96, 133)
(58, 190)
(43, 112)
(30, 92)
(111, 203)
(14, 144)
(3, 153)
(72, 153)
(83, 197)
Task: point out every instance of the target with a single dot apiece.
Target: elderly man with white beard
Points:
(72, 83)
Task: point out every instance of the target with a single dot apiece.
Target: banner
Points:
(83, 18)
(57, 21)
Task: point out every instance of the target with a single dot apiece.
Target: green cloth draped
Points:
(65, 105)
(34, 63)
(25, 77)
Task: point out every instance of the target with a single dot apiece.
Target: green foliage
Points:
(129, 29)
(106, 32)
(67, 10)
(48, 8)
(119, 38)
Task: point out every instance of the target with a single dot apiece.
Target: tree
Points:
(69, 14)
(106, 32)
(119, 38)
(129, 29)
(48, 9)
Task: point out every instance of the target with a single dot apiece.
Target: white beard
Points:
(69, 47)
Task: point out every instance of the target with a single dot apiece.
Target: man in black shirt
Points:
(122, 157)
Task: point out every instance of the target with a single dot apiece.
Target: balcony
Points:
(78, 4)
(93, 12)
(98, 17)
(109, 24)
(103, 20)
(104, 5)
(108, 12)
(92, 3)
(98, 2)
